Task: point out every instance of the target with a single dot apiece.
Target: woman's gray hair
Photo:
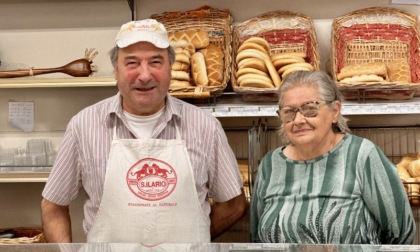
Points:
(113, 55)
(327, 90)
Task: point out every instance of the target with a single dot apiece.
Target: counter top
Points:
(203, 247)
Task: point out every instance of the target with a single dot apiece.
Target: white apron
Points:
(149, 195)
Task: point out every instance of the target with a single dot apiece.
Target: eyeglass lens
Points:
(310, 109)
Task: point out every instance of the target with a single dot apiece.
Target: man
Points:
(147, 161)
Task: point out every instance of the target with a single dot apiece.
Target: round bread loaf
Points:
(252, 45)
(261, 41)
(253, 63)
(246, 70)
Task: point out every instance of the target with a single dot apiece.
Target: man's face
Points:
(143, 76)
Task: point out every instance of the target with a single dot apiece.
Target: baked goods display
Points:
(376, 48)
(409, 171)
(243, 170)
(268, 48)
(202, 42)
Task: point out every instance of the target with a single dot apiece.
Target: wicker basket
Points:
(217, 23)
(376, 34)
(285, 32)
(24, 235)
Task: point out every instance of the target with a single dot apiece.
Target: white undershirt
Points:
(142, 125)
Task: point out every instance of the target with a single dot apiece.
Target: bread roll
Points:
(200, 39)
(198, 69)
(214, 59)
(180, 75)
(182, 58)
(373, 68)
(180, 66)
(178, 84)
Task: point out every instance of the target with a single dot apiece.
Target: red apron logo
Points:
(151, 179)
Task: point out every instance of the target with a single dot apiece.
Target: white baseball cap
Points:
(147, 30)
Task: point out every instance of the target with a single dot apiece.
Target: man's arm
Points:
(224, 214)
(56, 222)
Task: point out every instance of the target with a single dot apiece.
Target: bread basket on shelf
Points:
(23, 235)
(285, 32)
(383, 38)
(217, 25)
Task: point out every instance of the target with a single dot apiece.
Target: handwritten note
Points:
(21, 115)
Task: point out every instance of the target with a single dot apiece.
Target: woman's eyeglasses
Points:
(309, 109)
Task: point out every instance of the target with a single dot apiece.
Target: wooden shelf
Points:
(23, 177)
(34, 82)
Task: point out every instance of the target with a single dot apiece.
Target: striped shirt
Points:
(350, 195)
(84, 151)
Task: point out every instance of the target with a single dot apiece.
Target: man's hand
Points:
(224, 214)
(56, 222)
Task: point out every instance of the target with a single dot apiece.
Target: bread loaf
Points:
(198, 69)
(373, 68)
(399, 71)
(362, 78)
(200, 39)
(214, 59)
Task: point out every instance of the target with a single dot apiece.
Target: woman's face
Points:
(309, 131)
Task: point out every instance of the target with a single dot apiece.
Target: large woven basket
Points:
(376, 34)
(218, 24)
(24, 235)
(285, 32)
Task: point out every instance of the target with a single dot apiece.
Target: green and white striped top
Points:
(350, 195)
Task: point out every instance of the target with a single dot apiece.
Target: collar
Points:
(173, 108)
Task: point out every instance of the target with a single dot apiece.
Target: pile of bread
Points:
(409, 171)
(197, 61)
(397, 71)
(256, 67)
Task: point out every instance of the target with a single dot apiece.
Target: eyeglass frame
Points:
(299, 109)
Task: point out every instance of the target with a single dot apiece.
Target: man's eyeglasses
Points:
(309, 109)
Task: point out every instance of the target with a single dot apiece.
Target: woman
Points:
(326, 185)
